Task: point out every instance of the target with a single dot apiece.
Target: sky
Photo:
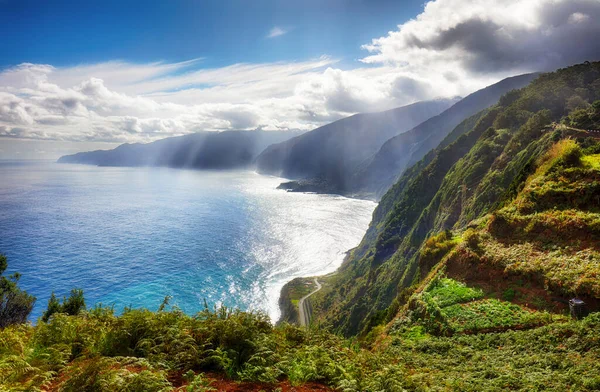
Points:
(77, 76)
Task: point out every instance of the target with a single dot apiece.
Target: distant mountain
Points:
(202, 150)
(382, 170)
(331, 153)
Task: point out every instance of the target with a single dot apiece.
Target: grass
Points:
(450, 307)
(550, 232)
(445, 292)
(492, 314)
(435, 248)
(568, 270)
(542, 358)
(592, 161)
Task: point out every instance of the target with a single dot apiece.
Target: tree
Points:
(53, 307)
(71, 306)
(576, 102)
(15, 304)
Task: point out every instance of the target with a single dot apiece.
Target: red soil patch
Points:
(219, 382)
(223, 385)
(285, 386)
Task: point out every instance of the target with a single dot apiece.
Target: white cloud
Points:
(578, 17)
(141, 103)
(478, 38)
(452, 48)
(276, 32)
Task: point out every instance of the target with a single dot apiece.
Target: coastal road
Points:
(304, 307)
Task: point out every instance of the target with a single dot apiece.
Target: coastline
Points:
(322, 188)
(292, 291)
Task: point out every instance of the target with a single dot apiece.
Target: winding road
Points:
(304, 307)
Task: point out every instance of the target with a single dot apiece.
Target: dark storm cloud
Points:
(494, 36)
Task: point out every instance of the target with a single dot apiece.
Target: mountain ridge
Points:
(406, 149)
(331, 153)
(202, 150)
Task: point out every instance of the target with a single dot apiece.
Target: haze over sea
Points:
(131, 236)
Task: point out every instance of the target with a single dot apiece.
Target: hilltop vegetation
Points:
(231, 350)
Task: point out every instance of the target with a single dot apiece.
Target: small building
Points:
(578, 308)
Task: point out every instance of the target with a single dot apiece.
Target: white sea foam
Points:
(302, 235)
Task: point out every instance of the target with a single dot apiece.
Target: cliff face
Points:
(384, 168)
(333, 152)
(480, 167)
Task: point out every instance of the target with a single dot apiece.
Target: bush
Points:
(15, 304)
(471, 238)
(509, 294)
(110, 374)
(198, 383)
(71, 306)
(434, 250)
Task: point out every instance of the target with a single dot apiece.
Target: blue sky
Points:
(81, 75)
(223, 32)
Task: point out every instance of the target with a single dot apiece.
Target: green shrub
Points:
(15, 304)
(490, 314)
(198, 383)
(445, 292)
(471, 238)
(72, 305)
(509, 294)
(111, 374)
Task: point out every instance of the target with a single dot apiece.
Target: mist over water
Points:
(131, 236)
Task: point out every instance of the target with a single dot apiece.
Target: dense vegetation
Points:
(460, 284)
(168, 350)
(481, 170)
(15, 304)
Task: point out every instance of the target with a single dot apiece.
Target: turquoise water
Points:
(131, 236)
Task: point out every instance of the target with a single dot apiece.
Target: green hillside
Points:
(477, 170)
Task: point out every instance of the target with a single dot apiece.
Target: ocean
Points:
(131, 236)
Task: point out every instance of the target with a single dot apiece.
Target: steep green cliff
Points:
(476, 170)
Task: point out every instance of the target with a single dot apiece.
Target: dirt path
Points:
(304, 307)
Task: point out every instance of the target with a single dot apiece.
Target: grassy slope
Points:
(475, 174)
(170, 351)
(549, 234)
